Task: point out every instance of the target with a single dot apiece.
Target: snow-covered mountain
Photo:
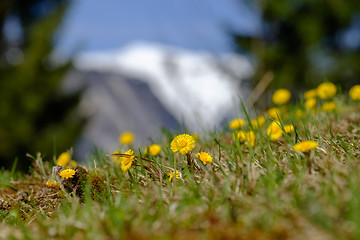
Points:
(197, 89)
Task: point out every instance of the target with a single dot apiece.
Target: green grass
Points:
(260, 192)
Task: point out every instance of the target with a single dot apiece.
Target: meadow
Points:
(292, 172)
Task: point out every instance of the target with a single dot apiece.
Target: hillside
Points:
(291, 173)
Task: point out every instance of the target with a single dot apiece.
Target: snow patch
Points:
(199, 89)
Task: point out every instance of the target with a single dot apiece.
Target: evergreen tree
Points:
(304, 42)
(35, 115)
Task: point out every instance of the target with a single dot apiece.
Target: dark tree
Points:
(304, 42)
(35, 115)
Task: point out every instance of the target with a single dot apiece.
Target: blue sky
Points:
(195, 24)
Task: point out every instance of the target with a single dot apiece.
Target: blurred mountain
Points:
(145, 86)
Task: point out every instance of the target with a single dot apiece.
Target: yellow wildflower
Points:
(67, 173)
(289, 128)
(117, 159)
(246, 137)
(73, 163)
(274, 131)
(305, 146)
(281, 96)
(326, 90)
(183, 143)
(195, 136)
(173, 174)
(154, 149)
(256, 123)
(126, 138)
(328, 106)
(300, 113)
(236, 123)
(310, 103)
(274, 113)
(204, 157)
(354, 93)
(63, 159)
(52, 183)
(127, 161)
(310, 94)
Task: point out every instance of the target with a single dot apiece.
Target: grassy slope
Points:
(263, 192)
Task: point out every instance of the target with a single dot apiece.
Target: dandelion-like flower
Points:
(300, 113)
(127, 161)
(246, 137)
(274, 113)
(281, 96)
(236, 123)
(63, 159)
(310, 103)
(204, 157)
(174, 174)
(126, 138)
(116, 158)
(289, 128)
(274, 131)
(326, 90)
(310, 94)
(328, 106)
(256, 123)
(154, 149)
(183, 143)
(354, 93)
(305, 146)
(195, 136)
(67, 173)
(52, 183)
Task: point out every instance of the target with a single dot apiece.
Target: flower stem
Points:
(309, 161)
(189, 162)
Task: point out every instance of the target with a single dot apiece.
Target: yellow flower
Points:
(328, 106)
(274, 113)
(236, 123)
(354, 93)
(172, 174)
(126, 138)
(154, 149)
(310, 103)
(326, 90)
(117, 159)
(281, 96)
(63, 159)
(73, 163)
(246, 137)
(127, 161)
(274, 131)
(300, 114)
(310, 94)
(305, 146)
(67, 173)
(289, 128)
(204, 157)
(52, 183)
(183, 143)
(195, 136)
(258, 122)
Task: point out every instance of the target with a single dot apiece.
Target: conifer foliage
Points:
(305, 42)
(35, 114)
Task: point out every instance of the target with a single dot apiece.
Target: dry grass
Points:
(265, 192)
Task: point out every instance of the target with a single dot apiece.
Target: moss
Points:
(99, 186)
(78, 183)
